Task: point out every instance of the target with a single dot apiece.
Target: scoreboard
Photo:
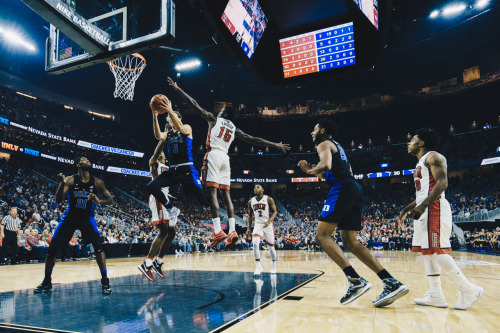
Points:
(318, 50)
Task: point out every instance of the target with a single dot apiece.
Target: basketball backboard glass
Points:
(87, 32)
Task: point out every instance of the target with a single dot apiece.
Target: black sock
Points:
(48, 275)
(383, 274)
(350, 272)
(104, 274)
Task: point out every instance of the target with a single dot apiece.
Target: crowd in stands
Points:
(483, 241)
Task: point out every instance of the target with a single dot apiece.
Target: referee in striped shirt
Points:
(9, 226)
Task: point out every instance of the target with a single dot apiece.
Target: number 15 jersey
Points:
(221, 135)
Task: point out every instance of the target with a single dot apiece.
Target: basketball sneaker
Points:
(157, 268)
(106, 289)
(173, 212)
(258, 269)
(231, 240)
(357, 287)
(431, 299)
(393, 290)
(218, 238)
(468, 296)
(44, 287)
(147, 271)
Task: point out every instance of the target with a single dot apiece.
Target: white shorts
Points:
(216, 170)
(267, 234)
(432, 231)
(159, 213)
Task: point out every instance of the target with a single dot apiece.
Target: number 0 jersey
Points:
(221, 135)
(260, 209)
(424, 180)
(78, 205)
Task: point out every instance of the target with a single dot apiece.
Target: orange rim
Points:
(137, 55)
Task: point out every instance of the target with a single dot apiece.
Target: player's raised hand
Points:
(283, 147)
(172, 83)
(61, 177)
(93, 198)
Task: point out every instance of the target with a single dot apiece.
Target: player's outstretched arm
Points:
(272, 210)
(157, 152)
(437, 164)
(101, 188)
(261, 142)
(193, 104)
(159, 135)
(250, 219)
(64, 187)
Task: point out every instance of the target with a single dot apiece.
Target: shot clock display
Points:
(318, 50)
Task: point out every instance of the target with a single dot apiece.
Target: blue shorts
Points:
(344, 205)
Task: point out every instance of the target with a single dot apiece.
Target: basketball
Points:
(158, 102)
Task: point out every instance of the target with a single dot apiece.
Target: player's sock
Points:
(232, 223)
(48, 275)
(104, 273)
(272, 253)
(216, 222)
(149, 262)
(383, 274)
(449, 265)
(159, 260)
(433, 271)
(256, 250)
(350, 272)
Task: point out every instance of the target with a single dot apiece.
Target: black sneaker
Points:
(357, 287)
(106, 289)
(157, 268)
(45, 287)
(393, 289)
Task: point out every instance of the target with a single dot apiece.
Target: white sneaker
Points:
(258, 269)
(176, 252)
(173, 212)
(437, 301)
(468, 296)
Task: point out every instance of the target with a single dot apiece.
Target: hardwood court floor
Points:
(316, 307)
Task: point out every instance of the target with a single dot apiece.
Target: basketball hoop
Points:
(126, 71)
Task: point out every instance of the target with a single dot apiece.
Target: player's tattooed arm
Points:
(250, 219)
(261, 142)
(64, 187)
(193, 104)
(101, 188)
(272, 210)
(438, 168)
(158, 150)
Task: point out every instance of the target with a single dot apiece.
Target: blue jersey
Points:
(341, 169)
(179, 148)
(78, 205)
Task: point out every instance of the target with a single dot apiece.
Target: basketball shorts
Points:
(67, 227)
(344, 205)
(159, 214)
(432, 231)
(266, 234)
(216, 171)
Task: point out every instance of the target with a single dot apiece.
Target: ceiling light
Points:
(453, 9)
(434, 14)
(188, 65)
(15, 38)
(481, 4)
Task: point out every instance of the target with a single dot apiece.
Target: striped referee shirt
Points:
(11, 223)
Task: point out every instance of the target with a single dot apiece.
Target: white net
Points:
(126, 71)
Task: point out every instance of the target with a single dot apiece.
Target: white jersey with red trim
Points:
(159, 170)
(221, 135)
(424, 180)
(260, 209)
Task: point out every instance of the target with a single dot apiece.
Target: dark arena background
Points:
(76, 80)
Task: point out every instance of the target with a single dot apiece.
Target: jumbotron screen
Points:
(246, 22)
(318, 50)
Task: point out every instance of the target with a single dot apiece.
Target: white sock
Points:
(272, 253)
(232, 226)
(149, 262)
(216, 222)
(256, 250)
(433, 271)
(450, 266)
(159, 260)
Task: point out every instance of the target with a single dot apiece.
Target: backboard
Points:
(87, 32)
